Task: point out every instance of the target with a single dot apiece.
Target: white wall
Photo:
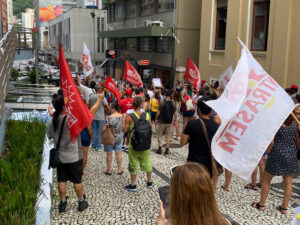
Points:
(27, 20)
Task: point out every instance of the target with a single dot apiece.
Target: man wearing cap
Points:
(294, 89)
(126, 103)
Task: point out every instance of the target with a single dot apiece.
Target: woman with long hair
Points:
(188, 113)
(70, 167)
(154, 103)
(176, 99)
(192, 200)
(114, 120)
(146, 106)
(282, 161)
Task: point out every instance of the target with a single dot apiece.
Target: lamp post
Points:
(93, 16)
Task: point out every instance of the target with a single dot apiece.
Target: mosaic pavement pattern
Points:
(110, 204)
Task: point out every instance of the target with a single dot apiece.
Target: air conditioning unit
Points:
(147, 23)
(157, 23)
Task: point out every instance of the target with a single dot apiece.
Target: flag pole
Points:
(242, 44)
(296, 118)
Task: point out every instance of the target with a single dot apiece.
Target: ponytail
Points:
(59, 106)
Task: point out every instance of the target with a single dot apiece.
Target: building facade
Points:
(9, 12)
(163, 32)
(4, 21)
(72, 29)
(269, 28)
(28, 18)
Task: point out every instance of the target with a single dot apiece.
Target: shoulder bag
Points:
(53, 159)
(108, 135)
(217, 169)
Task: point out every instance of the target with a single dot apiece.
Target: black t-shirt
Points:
(199, 150)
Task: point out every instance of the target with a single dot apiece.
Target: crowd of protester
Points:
(165, 111)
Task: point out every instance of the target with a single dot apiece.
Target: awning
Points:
(150, 31)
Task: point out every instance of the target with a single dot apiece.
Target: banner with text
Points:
(252, 108)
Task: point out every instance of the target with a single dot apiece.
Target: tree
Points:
(20, 6)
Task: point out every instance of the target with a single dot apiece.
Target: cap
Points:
(128, 92)
(203, 81)
(294, 86)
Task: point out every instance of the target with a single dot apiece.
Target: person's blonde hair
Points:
(192, 200)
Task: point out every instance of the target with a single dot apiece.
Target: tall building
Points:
(10, 12)
(4, 21)
(28, 18)
(164, 33)
(72, 29)
(269, 28)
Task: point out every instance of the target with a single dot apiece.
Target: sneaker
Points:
(131, 188)
(159, 151)
(82, 205)
(149, 185)
(94, 148)
(167, 152)
(62, 206)
(99, 149)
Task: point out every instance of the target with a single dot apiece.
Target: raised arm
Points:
(95, 107)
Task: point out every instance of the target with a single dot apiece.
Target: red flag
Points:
(78, 115)
(131, 75)
(192, 74)
(112, 87)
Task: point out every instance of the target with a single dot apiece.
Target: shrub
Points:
(14, 74)
(20, 172)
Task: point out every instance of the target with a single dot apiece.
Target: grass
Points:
(20, 172)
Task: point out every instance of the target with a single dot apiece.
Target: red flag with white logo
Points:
(78, 115)
(192, 74)
(112, 87)
(131, 75)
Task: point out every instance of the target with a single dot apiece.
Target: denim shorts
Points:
(188, 113)
(117, 147)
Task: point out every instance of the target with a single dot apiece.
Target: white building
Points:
(28, 18)
(72, 29)
(9, 12)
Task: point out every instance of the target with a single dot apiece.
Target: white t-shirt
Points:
(86, 92)
(150, 93)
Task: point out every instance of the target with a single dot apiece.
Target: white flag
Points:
(225, 77)
(86, 61)
(252, 108)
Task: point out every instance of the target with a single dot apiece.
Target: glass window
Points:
(260, 25)
(119, 43)
(163, 45)
(146, 7)
(165, 5)
(131, 44)
(130, 9)
(221, 24)
(119, 12)
(146, 44)
(111, 44)
(111, 13)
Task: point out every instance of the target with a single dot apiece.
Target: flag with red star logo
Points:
(78, 115)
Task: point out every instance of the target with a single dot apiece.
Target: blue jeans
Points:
(97, 128)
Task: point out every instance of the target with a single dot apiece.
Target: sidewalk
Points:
(110, 204)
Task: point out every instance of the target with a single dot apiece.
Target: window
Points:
(98, 24)
(111, 43)
(111, 14)
(260, 25)
(147, 7)
(165, 5)
(119, 43)
(131, 44)
(221, 24)
(130, 9)
(146, 44)
(119, 12)
(102, 24)
(163, 45)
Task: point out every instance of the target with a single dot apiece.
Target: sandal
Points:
(120, 173)
(258, 185)
(258, 206)
(281, 209)
(107, 173)
(223, 187)
(251, 187)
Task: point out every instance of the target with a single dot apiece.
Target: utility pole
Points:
(93, 16)
(37, 22)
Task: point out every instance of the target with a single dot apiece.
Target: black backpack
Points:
(141, 137)
(167, 112)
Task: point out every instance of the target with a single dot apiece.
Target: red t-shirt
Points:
(125, 104)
